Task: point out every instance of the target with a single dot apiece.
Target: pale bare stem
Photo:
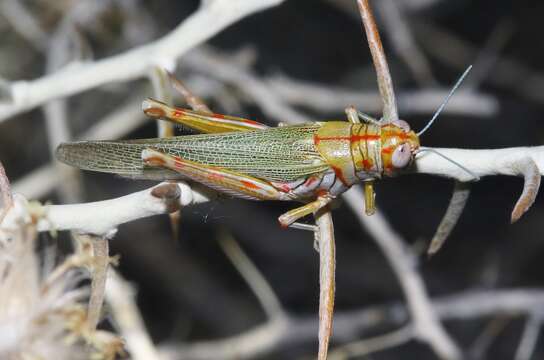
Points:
(103, 217)
(195, 102)
(5, 193)
(489, 334)
(319, 97)
(161, 89)
(426, 324)
(327, 267)
(459, 198)
(403, 42)
(368, 346)
(385, 83)
(120, 297)
(99, 271)
(522, 161)
(529, 338)
(135, 63)
(253, 277)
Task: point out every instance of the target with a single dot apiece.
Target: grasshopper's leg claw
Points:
(301, 226)
(291, 216)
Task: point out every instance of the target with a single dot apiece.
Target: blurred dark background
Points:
(187, 288)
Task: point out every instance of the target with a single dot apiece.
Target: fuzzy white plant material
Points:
(42, 307)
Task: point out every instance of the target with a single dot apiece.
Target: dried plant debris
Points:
(43, 311)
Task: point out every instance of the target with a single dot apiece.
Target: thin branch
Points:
(385, 83)
(519, 161)
(120, 297)
(426, 325)
(208, 61)
(24, 23)
(5, 193)
(194, 101)
(99, 271)
(349, 325)
(506, 71)
(529, 338)
(327, 265)
(212, 17)
(320, 97)
(102, 217)
(371, 345)
(253, 277)
(60, 53)
(403, 42)
(459, 198)
(489, 56)
(489, 334)
(160, 80)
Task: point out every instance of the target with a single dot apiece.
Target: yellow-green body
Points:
(250, 160)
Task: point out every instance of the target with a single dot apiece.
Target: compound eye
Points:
(401, 124)
(401, 156)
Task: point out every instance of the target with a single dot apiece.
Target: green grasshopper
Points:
(312, 163)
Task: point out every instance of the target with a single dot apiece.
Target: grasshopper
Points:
(311, 163)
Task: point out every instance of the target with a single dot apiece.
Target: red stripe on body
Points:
(339, 175)
(367, 164)
(155, 161)
(400, 135)
(351, 138)
(179, 164)
(216, 177)
(154, 112)
(250, 185)
(251, 122)
(285, 188)
(322, 192)
(387, 150)
(310, 181)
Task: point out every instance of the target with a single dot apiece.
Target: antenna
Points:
(445, 101)
(423, 149)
